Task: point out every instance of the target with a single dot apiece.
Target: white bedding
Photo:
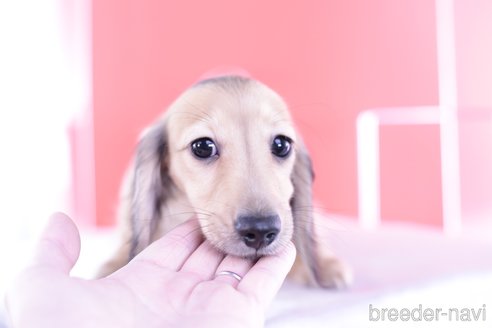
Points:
(399, 266)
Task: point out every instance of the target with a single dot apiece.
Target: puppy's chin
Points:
(237, 248)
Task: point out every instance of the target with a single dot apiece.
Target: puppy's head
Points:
(229, 146)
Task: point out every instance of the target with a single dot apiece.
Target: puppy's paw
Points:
(333, 273)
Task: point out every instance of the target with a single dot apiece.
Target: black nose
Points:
(258, 231)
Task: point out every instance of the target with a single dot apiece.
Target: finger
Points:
(59, 245)
(203, 262)
(199, 267)
(238, 265)
(265, 278)
(172, 250)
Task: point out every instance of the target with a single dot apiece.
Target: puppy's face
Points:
(231, 151)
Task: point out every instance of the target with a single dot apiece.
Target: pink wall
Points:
(473, 24)
(410, 174)
(473, 29)
(329, 59)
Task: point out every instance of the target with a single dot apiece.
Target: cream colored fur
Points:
(166, 185)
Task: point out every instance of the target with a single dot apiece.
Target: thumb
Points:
(59, 245)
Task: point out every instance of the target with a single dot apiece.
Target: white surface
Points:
(398, 266)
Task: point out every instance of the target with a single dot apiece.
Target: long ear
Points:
(149, 186)
(302, 211)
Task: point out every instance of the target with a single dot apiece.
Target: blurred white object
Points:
(445, 115)
(368, 166)
(44, 85)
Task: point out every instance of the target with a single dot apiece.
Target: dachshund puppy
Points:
(227, 152)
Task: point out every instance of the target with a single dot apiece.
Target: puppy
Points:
(227, 152)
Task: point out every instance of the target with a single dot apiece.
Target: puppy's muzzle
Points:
(258, 231)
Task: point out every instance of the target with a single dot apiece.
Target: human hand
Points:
(171, 283)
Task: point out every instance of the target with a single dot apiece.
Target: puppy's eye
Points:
(204, 148)
(281, 146)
